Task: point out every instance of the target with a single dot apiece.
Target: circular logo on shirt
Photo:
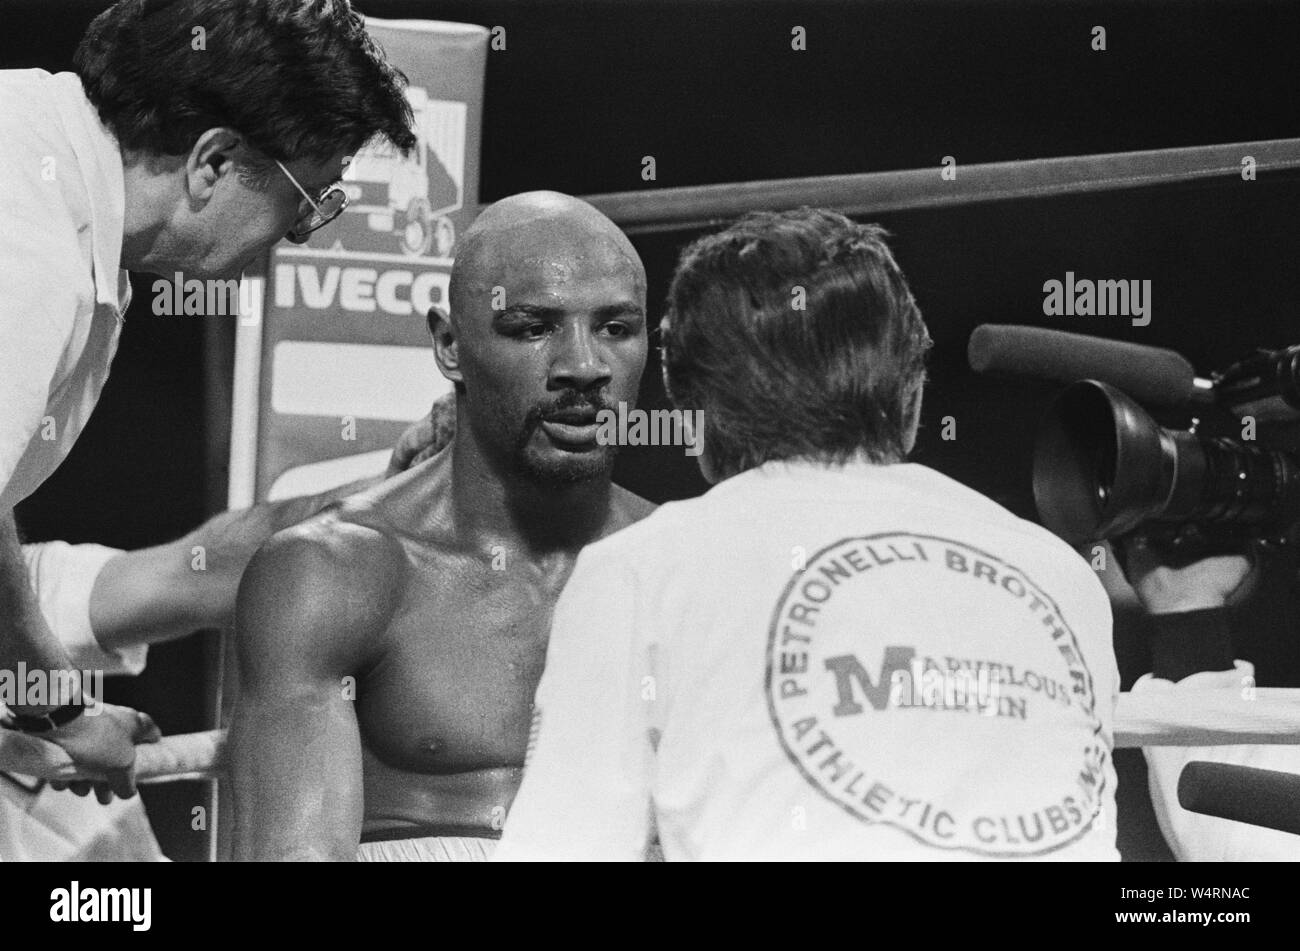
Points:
(923, 684)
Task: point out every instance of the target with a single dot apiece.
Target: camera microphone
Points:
(1153, 376)
(1262, 797)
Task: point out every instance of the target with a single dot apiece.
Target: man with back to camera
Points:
(389, 649)
(832, 654)
(170, 149)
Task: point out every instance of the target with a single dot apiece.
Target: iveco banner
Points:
(339, 361)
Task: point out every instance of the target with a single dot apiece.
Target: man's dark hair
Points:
(299, 79)
(796, 334)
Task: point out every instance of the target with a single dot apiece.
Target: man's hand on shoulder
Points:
(426, 437)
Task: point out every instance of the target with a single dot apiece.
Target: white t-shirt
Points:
(807, 662)
(63, 293)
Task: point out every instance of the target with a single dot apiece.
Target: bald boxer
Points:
(389, 649)
(193, 135)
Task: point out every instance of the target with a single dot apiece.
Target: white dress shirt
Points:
(62, 209)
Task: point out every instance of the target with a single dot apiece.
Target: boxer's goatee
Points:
(571, 470)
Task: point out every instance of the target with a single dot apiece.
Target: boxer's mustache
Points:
(588, 404)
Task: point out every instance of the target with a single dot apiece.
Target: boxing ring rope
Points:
(1171, 717)
(700, 206)
(1190, 716)
(173, 758)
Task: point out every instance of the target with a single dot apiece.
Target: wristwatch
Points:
(46, 722)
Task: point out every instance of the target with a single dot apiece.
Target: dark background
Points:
(714, 92)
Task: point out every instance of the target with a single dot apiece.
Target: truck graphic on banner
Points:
(407, 200)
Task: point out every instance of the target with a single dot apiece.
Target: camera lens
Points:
(1102, 467)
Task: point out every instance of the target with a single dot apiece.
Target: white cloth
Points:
(63, 577)
(1196, 838)
(750, 667)
(61, 221)
(442, 848)
(40, 824)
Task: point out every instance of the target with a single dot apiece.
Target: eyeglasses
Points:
(314, 213)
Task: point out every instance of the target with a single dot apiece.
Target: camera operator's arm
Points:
(1188, 606)
(1191, 647)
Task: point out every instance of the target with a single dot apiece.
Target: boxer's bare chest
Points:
(452, 688)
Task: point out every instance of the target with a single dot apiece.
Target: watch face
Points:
(46, 722)
(25, 723)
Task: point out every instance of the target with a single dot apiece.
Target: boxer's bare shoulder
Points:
(354, 546)
(322, 587)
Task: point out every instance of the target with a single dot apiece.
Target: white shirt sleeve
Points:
(586, 790)
(1196, 838)
(63, 577)
(39, 273)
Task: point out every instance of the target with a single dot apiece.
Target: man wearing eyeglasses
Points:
(193, 135)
